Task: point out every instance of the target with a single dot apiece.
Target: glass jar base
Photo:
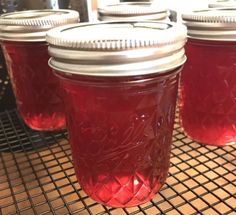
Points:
(125, 200)
(45, 123)
(202, 142)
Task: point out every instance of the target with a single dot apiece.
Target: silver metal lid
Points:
(222, 3)
(133, 11)
(212, 24)
(117, 48)
(32, 25)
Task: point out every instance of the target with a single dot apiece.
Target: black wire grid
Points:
(37, 176)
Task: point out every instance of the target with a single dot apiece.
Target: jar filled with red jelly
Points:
(208, 80)
(120, 83)
(133, 11)
(36, 89)
(222, 3)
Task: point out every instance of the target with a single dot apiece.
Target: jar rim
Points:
(222, 3)
(117, 48)
(133, 10)
(212, 24)
(32, 25)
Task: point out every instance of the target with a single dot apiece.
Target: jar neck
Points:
(211, 42)
(119, 80)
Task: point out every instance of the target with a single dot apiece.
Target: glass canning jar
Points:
(120, 83)
(25, 49)
(208, 81)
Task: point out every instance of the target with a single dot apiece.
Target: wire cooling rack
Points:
(37, 176)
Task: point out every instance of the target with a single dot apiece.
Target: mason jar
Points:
(133, 11)
(25, 49)
(208, 81)
(120, 83)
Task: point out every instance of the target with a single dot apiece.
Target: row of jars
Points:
(116, 83)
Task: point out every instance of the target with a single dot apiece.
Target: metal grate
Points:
(37, 176)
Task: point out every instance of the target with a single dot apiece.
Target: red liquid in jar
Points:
(120, 132)
(35, 87)
(208, 92)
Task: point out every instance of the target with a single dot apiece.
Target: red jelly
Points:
(208, 92)
(35, 86)
(120, 133)
(208, 82)
(120, 106)
(26, 52)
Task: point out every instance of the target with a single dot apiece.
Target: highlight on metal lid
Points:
(222, 3)
(32, 25)
(212, 24)
(133, 10)
(117, 48)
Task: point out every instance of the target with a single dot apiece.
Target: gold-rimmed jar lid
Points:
(222, 3)
(212, 24)
(32, 25)
(125, 48)
(133, 11)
